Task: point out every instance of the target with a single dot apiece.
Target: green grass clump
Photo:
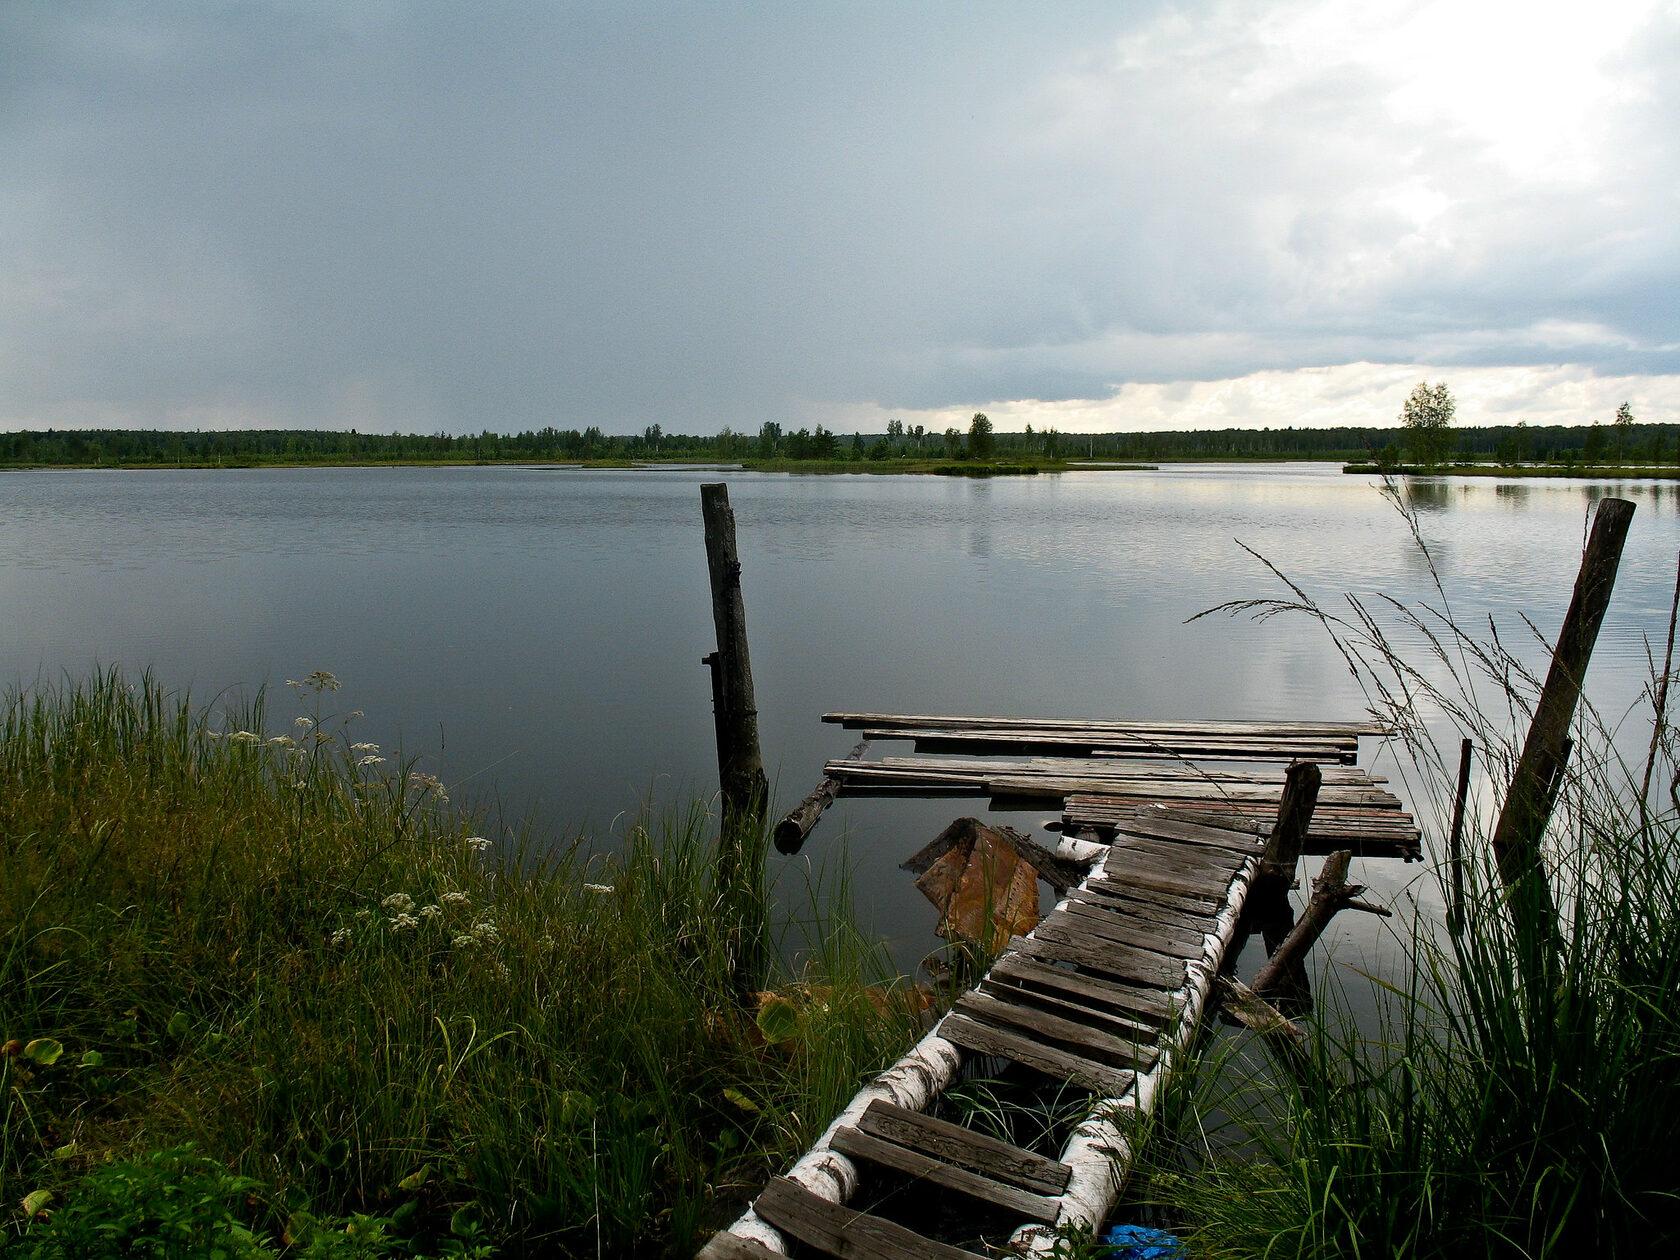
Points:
(1512, 1098)
(296, 957)
(1491, 1115)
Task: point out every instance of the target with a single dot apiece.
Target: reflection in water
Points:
(1513, 494)
(1428, 494)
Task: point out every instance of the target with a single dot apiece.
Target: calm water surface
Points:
(535, 635)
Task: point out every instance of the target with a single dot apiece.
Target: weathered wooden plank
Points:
(1018, 967)
(980, 1153)
(1241, 843)
(1176, 772)
(1123, 779)
(1237, 848)
(1050, 787)
(1083, 736)
(903, 720)
(841, 1231)
(1189, 857)
(1099, 1078)
(1023, 1203)
(995, 742)
(954, 1144)
(1127, 1026)
(1144, 912)
(1130, 866)
(1199, 906)
(1053, 940)
(1114, 925)
(1082, 1039)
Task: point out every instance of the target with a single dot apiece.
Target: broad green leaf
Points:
(415, 1180)
(43, 1050)
(35, 1202)
(67, 1151)
(464, 1224)
(178, 1024)
(740, 1100)
(91, 1059)
(778, 1020)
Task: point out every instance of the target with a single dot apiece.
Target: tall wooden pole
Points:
(1455, 839)
(1534, 785)
(740, 764)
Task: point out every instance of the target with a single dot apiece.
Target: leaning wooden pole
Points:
(1528, 803)
(740, 763)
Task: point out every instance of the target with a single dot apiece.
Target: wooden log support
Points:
(791, 832)
(1330, 893)
(1527, 809)
(1283, 849)
(1455, 840)
(740, 763)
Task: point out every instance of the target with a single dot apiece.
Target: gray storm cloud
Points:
(508, 216)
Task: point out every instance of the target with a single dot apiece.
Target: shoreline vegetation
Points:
(1620, 451)
(253, 964)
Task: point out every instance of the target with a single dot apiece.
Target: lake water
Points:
(535, 635)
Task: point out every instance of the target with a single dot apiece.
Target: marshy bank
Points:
(259, 939)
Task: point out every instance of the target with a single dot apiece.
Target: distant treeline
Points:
(1590, 444)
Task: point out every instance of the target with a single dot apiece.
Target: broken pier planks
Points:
(1368, 832)
(1100, 995)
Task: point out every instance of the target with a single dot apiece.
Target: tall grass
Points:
(295, 954)
(1506, 1105)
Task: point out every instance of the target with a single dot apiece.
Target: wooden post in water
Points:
(1455, 840)
(745, 790)
(740, 763)
(1534, 784)
(1289, 833)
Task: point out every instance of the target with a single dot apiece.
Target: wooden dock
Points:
(1103, 772)
(1103, 995)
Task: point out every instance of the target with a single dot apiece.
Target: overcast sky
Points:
(463, 216)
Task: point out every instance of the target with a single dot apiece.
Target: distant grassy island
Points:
(1641, 450)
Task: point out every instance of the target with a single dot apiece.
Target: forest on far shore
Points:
(1566, 445)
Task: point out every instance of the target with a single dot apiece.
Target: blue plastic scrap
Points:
(1136, 1242)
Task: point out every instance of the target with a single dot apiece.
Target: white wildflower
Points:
(398, 903)
(321, 681)
(477, 843)
(598, 888)
(502, 970)
(215, 734)
(302, 723)
(370, 760)
(454, 899)
(466, 942)
(246, 737)
(485, 930)
(282, 741)
(298, 785)
(428, 783)
(364, 748)
(404, 923)
(431, 912)
(341, 938)
(355, 713)
(364, 915)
